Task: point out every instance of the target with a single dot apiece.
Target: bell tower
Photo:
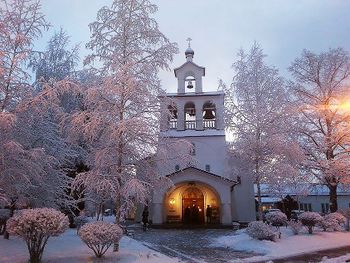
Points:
(189, 75)
(197, 115)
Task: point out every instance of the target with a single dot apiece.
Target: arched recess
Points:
(190, 116)
(172, 119)
(190, 81)
(209, 115)
(183, 194)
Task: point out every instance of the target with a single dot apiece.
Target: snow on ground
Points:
(340, 259)
(289, 245)
(69, 248)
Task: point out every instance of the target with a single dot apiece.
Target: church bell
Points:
(189, 85)
(208, 114)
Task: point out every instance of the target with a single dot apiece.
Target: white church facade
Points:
(198, 117)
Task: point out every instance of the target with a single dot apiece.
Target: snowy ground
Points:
(68, 248)
(289, 245)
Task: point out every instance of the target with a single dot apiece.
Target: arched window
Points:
(209, 115)
(172, 117)
(190, 83)
(190, 116)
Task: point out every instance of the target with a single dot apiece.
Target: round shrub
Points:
(296, 226)
(35, 226)
(341, 220)
(310, 219)
(346, 213)
(277, 218)
(99, 236)
(259, 230)
(329, 224)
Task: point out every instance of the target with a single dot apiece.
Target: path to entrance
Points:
(189, 245)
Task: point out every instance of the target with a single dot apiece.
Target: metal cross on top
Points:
(189, 41)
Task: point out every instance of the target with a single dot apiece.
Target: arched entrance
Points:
(192, 206)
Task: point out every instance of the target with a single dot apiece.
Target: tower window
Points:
(177, 167)
(207, 168)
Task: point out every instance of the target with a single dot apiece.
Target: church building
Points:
(198, 117)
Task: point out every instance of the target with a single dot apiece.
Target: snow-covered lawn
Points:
(68, 248)
(289, 245)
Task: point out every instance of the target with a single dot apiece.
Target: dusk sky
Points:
(220, 27)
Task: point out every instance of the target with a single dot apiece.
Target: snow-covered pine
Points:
(35, 227)
(261, 231)
(310, 219)
(99, 236)
(320, 90)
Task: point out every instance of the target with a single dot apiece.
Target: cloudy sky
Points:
(220, 27)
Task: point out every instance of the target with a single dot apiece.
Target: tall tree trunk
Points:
(333, 198)
(260, 212)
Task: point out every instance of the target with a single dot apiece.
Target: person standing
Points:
(208, 214)
(145, 214)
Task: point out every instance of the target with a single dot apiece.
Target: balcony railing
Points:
(190, 125)
(173, 125)
(209, 124)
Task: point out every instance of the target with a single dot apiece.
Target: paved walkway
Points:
(189, 245)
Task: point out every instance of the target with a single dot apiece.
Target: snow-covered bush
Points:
(259, 230)
(329, 224)
(79, 221)
(276, 218)
(99, 236)
(296, 226)
(341, 220)
(310, 219)
(35, 226)
(346, 213)
(4, 216)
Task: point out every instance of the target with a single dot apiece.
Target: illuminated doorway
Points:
(193, 206)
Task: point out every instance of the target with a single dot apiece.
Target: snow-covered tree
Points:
(99, 236)
(58, 61)
(21, 22)
(120, 119)
(35, 227)
(321, 83)
(256, 114)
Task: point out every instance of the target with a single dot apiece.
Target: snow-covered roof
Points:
(311, 189)
(193, 133)
(203, 171)
(270, 199)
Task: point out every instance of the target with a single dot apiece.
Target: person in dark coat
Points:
(187, 215)
(208, 214)
(145, 214)
(195, 214)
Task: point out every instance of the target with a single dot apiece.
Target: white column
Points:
(199, 115)
(180, 117)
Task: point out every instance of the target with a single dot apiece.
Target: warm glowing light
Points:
(172, 201)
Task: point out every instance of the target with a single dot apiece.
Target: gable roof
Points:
(186, 63)
(202, 171)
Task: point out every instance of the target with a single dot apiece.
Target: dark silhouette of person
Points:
(195, 214)
(145, 214)
(187, 215)
(208, 214)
